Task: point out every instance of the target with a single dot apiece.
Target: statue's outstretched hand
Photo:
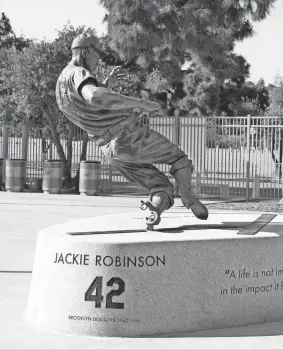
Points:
(117, 74)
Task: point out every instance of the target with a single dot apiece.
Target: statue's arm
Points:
(106, 83)
(108, 99)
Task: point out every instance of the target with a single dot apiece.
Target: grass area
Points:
(261, 206)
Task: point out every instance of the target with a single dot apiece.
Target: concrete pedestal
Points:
(106, 276)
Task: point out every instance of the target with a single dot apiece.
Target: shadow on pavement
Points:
(271, 228)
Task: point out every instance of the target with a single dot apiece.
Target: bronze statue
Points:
(131, 147)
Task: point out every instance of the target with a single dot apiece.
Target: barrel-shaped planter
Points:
(89, 177)
(52, 181)
(15, 175)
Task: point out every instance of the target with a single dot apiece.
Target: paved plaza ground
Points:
(22, 215)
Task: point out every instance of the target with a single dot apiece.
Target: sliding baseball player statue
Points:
(130, 147)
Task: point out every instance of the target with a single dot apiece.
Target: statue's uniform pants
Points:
(137, 149)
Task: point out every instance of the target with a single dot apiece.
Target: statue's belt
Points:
(118, 130)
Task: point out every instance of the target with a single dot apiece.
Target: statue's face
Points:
(92, 58)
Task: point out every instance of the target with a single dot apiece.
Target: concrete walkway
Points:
(22, 215)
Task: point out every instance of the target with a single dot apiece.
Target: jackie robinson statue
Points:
(130, 147)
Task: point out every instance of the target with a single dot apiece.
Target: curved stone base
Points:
(47, 192)
(14, 190)
(107, 276)
(89, 193)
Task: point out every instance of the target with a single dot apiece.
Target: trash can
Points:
(15, 173)
(89, 177)
(52, 181)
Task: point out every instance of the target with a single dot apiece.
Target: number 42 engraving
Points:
(97, 298)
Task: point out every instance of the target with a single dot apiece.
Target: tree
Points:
(201, 92)
(240, 99)
(275, 134)
(164, 35)
(33, 75)
(8, 41)
(6, 31)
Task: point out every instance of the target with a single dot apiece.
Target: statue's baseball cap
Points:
(85, 40)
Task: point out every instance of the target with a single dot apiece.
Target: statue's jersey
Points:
(94, 119)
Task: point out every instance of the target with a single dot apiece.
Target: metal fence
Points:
(233, 157)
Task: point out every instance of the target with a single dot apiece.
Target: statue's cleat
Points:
(154, 216)
(183, 177)
(152, 220)
(198, 208)
(160, 202)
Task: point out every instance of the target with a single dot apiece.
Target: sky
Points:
(40, 19)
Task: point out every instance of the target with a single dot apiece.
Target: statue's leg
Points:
(149, 177)
(161, 196)
(126, 155)
(134, 155)
(160, 150)
(183, 176)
